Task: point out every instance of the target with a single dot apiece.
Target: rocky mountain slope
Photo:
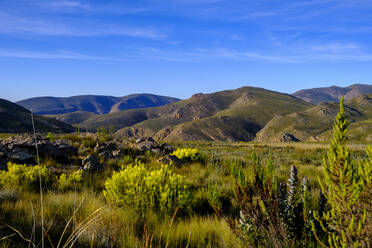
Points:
(315, 123)
(92, 103)
(17, 119)
(229, 115)
(333, 93)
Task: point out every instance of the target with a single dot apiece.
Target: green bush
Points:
(190, 154)
(89, 142)
(24, 177)
(70, 181)
(347, 187)
(50, 136)
(272, 213)
(137, 187)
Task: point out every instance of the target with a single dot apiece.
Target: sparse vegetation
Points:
(266, 195)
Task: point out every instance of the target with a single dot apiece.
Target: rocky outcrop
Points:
(22, 149)
(91, 164)
(170, 159)
(149, 144)
(287, 137)
(110, 150)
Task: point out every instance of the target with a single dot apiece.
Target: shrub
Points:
(189, 154)
(70, 181)
(137, 187)
(347, 188)
(24, 177)
(73, 138)
(89, 142)
(50, 136)
(272, 214)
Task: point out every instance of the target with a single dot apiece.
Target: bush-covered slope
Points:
(16, 119)
(226, 115)
(315, 123)
(74, 117)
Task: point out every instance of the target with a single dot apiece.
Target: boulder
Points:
(145, 143)
(91, 164)
(170, 159)
(287, 137)
(166, 148)
(149, 144)
(110, 150)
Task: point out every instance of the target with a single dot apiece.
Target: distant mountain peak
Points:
(333, 93)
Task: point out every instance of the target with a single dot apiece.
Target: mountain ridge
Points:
(97, 104)
(333, 93)
(17, 119)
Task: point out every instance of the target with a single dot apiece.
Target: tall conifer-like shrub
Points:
(348, 189)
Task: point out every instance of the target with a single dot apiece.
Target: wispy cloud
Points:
(19, 25)
(48, 55)
(330, 52)
(255, 15)
(326, 53)
(101, 8)
(334, 47)
(67, 4)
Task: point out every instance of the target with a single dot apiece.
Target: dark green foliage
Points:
(347, 186)
(272, 214)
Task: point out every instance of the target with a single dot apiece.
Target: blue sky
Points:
(181, 47)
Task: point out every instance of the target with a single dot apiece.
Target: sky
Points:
(181, 47)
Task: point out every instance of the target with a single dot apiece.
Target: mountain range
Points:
(243, 114)
(93, 103)
(333, 93)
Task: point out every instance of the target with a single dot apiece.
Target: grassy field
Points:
(83, 209)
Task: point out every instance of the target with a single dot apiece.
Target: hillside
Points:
(16, 119)
(92, 103)
(333, 93)
(227, 115)
(315, 123)
(73, 117)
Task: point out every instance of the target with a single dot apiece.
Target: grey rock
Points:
(156, 150)
(22, 149)
(170, 159)
(91, 164)
(166, 148)
(110, 150)
(287, 137)
(145, 143)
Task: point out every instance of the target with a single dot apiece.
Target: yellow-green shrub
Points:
(70, 181)
(191, 154)
(142, 189)
(24, 177)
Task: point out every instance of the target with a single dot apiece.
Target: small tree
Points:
(348, 190)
